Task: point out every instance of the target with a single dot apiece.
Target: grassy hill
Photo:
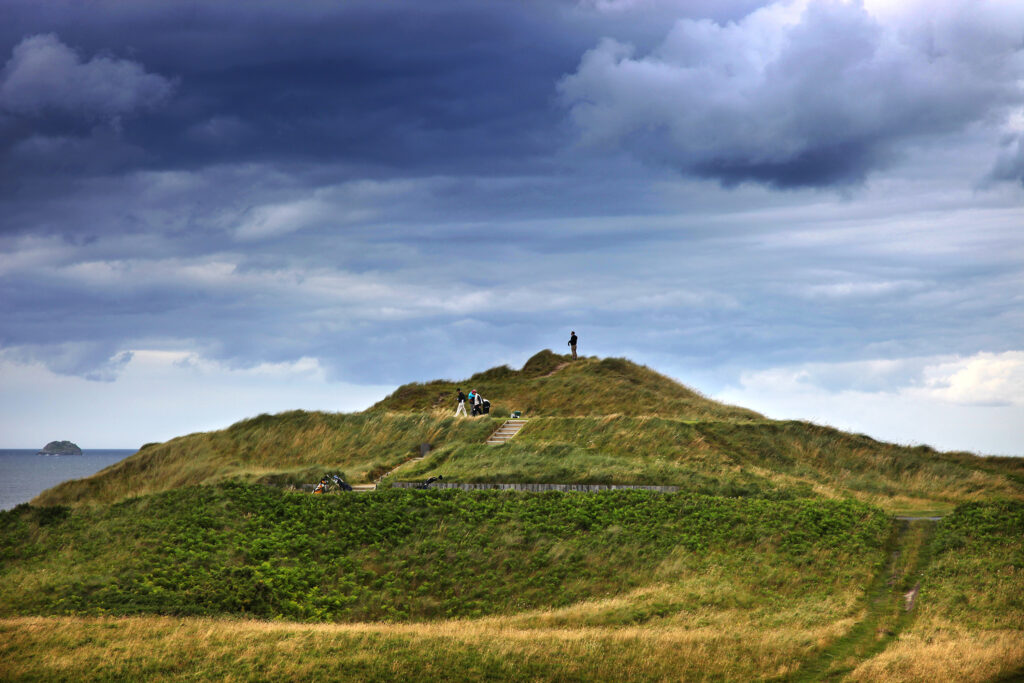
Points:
(451, 585)
(285, 449)
(591, 421)
(550, 385)
(761, 581)
(779, 559)
(251, 550)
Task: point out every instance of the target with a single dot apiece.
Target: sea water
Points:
(24, 475)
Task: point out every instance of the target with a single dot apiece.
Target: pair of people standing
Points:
(475, 400)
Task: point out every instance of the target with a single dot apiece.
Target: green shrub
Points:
(398, 554)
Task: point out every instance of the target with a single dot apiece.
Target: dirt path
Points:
(557, 368)
(371, 487)
(891, 599)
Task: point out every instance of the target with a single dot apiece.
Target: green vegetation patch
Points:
(286, 449)
(722, 458)
(409, 555)
(595, 421)
(976, 578)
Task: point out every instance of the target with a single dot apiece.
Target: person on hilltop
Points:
(572, 344)
(478, 403)
(472, 400)
(461, 398)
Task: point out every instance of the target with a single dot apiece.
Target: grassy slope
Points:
(971, 604)
(288, 448)
(631, 585)
(770, 600)
(253, 550)
(585, 585)
(731, 458)
(551, 386)
(592, 421)
(729, 649)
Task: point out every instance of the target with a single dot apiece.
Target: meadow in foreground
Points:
(780, 558)
(717, 614)
(626, 583)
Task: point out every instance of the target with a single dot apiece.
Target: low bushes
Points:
(400, 554)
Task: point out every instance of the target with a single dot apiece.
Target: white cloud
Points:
(161, 394)
(45, 74)
(848, 289)
(273, 220)
(342, 204)
(982, 379)
(973, 403)
(96, 361)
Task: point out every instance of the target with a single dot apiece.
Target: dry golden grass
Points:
(286, 449)
(159, 648)
(709, 625)
(943, 651)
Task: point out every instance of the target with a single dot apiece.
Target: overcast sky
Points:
(214, 210)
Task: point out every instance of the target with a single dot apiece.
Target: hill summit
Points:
(552, 385)
(589, 421)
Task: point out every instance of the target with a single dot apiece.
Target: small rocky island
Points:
(60, 448)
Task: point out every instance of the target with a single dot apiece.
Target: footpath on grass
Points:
(889, 601)
(889, 608)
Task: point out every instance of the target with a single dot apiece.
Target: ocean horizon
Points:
(24, 474)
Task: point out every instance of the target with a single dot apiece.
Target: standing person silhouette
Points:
(461, 398)
(572, 344)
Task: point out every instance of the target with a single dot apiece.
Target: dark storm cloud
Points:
(391, 187)
(816, 98)
(391, 87)
(62, 114)
(44, 75)
(1010, 164)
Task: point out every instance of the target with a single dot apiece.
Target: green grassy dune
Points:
(550, 385)
(591, 421)
(779, 559)
(443, 585)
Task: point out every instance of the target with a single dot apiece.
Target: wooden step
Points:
(506, 431)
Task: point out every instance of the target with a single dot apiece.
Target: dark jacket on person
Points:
(572, 340)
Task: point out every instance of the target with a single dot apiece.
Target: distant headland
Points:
(60, 448)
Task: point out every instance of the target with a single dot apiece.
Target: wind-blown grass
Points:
(401, 555)
(970, 625)
(550, 385)
(685, 440)
(727, 458)
(286, 449)
(620, 584)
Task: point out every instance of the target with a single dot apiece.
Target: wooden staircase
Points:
(505, 432)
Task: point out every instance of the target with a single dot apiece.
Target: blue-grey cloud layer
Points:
(813, 98)
(396, 187)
